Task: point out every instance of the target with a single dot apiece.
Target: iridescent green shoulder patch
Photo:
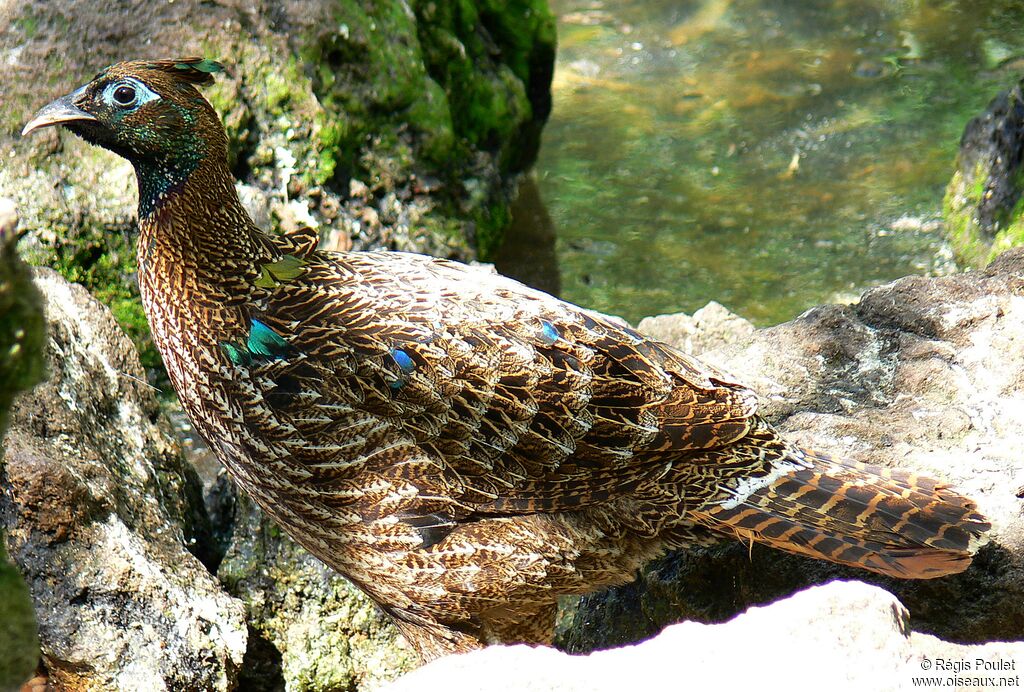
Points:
(285, 269)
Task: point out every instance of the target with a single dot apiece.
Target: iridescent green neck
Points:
(160, 180)
(182, 149)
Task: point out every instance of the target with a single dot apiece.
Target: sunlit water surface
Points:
(770, 155)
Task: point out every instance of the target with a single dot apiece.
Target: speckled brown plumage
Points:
(462, 447)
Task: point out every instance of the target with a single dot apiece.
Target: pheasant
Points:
(463, 448)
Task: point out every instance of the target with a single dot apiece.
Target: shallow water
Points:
(770, 155)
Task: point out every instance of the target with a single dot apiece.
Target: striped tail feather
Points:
(892, 522)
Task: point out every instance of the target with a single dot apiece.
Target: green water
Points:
(760, 153)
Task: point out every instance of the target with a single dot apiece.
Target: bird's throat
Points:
(161, 180)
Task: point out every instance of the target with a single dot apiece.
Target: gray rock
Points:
(925, 374)
(844, 635)
(99, 507)
(713, 326)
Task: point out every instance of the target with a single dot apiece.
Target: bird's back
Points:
(529, 403)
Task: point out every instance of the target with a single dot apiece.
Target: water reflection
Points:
(768, 154)
(528, 253)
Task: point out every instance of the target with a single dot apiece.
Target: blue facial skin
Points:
(125, 96)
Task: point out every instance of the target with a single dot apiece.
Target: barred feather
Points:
(892, 522)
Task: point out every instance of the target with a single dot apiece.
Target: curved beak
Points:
(58, 112)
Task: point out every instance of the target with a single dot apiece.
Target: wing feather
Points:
(527, 402)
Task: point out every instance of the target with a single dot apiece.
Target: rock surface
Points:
(926, 374)
(387, 124)
(841, 636)
(713, 326)
(99, 506)
(983, 208)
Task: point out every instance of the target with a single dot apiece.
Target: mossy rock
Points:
(21, 367)
(310, 628)
(983, 207)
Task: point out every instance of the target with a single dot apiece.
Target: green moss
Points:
(1013, 234)
(428, 97)
(494, 103)
(433, 119)
(485, 111)
(441, 226)
(18, 634)
(329, 138)
(279, 91)
(104, 263)
(238, 119)
(28, 25)
(365, 76)
(22, 345)
(959, 206)
(493, 220)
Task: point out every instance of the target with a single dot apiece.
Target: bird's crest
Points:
(194, 70)
(197, 71)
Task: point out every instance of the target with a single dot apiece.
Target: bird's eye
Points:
(125, 95)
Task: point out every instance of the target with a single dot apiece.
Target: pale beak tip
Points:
(59, 112)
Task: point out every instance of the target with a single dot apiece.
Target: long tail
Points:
(888, 521)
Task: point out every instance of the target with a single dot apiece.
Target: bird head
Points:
(149, 112)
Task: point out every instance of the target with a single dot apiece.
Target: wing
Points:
(475, 388)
